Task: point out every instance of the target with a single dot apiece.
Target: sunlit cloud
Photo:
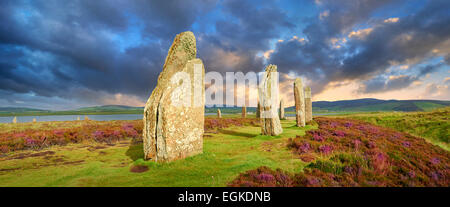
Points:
(361, 34)
(391, 20)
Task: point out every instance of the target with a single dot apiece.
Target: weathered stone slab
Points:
(244, 111)
(174, 113)
(308, 104)
(299, 103)
(268, 97)
(282, 109)
(219, 113)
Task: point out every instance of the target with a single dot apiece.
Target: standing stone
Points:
(258, 111)
(86, 118)
(34, 120)
(244, 111)
(172, 130)
(299, 103)
(78, 118)
(270, 122)
(308, 104)
(282, 109)
(219, 114)
(14, 120)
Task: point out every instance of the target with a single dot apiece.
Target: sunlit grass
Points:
(434, 126)
(226, 154)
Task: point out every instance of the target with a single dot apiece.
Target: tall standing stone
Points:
(258, 111)
(219, 114)
(282, 109)
(244, 111)
(268, 97)
(78, 118)
(34, 120)
(174, 121)
(14, 120)
(308, 104)
(299, 103)
(86, 118)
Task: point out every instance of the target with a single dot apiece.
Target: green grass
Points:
(428, 106)
(226, 154)
(434, 126)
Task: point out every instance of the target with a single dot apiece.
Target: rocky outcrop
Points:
(299, 103)
(268, 97)
(174, 113)
(308, 105)
(282, 109)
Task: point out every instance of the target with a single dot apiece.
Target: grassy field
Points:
(227, 152)
(337, 152)
(434, 126)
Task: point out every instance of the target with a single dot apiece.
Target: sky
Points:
(61, 55)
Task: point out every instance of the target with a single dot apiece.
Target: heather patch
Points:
(102, 132)
(213, 124)
(344, 152)
(60, 133)
(433, 126)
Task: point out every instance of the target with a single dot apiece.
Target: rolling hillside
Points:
(380, 105)
(12, 110)
(109, 108)
(357, 105)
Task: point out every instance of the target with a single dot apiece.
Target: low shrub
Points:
(343, 152)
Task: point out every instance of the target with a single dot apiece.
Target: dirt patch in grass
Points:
(96, 148)
(139, 168)
(9, 170)
(73, 162)
(59, 160)
(27, 155)
(267, 146)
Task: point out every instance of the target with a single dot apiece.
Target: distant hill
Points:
(369, 104)
(363, 105)
(12, 110)
(109, 108)
(357, 105)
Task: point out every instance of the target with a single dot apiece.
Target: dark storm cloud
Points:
(59, 46)
(343, 15)
(80, 51)
(413, 37)
(246, 31)
(429, 69)
(395, 82)
(166, 18)
(380, 84)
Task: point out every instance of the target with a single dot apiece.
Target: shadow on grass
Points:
(235, 133)
(135, 151)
